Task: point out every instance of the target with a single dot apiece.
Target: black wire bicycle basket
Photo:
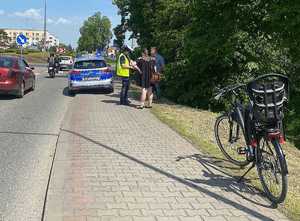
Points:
(269, 94)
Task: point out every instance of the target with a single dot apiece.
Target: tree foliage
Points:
(95, 33)
(214, 43)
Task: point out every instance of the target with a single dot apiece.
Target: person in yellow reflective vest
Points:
(124, 66)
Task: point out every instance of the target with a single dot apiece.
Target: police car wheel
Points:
(111, 90)
(71, 92)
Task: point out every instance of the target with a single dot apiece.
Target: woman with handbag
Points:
(146, 65)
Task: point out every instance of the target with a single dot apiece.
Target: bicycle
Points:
(254, 132)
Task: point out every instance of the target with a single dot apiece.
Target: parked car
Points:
(66, 63)
(16, 76)
(90, 72)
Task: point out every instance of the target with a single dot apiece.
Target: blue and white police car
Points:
(90, 72)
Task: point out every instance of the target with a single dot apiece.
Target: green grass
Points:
(197, 126)
(33, 57)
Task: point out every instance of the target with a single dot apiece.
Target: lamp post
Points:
(45, 26)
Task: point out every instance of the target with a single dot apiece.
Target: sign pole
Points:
(45, 27)
(21, 51)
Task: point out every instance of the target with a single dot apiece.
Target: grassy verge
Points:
(36, 57)
(197, 126)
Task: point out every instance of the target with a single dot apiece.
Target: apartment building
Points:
(34, 37)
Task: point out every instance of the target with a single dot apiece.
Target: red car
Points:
(16, 76)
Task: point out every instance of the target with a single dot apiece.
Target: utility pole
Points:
(45, 26)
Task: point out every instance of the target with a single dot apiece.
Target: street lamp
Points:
(45, 25)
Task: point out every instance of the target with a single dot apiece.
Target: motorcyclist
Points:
(57, 63)
(51, 61)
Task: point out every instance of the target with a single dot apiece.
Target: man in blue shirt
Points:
(159, 66)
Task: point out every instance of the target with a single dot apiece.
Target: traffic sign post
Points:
(21, 40)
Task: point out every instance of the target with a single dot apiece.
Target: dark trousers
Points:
(124, 91)
(156, 90)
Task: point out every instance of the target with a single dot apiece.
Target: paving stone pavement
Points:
(120, 163)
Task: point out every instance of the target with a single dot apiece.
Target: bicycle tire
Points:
(283, 171)
(241, 163)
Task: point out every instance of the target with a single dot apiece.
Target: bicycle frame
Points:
(237, 114)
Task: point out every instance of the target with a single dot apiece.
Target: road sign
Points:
(61, 50)
(21, 39)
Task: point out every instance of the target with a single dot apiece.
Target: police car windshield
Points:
(90, 64)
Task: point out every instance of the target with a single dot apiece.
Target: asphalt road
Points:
(29, 131)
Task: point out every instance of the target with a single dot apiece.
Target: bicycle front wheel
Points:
(230, 138)
(272, 170)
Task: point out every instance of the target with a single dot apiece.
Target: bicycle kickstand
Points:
(242, 177)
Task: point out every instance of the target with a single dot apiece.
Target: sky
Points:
(65, 17)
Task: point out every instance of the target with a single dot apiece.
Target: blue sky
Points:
(65, 17)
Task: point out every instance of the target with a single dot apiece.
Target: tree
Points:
(95, 33)
(210, 44)
(52, 49)
(4, 39)
(70, 48)
(119, 32)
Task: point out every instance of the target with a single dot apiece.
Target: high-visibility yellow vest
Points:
(122, 72)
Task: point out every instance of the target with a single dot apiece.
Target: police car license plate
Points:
(91, 78)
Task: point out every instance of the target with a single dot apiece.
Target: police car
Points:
(90, 72)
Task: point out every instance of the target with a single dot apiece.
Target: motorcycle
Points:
(51, 71)
(57, 67)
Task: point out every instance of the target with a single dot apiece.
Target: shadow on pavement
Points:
(57, 76)
(28, 133)
(228, 182)
(117, 102)
(111, 102)
(219, 162)
(12, 97)
(86, 91)
(113, 95)
(7, 97)
(186, 182)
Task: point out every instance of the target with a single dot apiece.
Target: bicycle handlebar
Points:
(228, 89)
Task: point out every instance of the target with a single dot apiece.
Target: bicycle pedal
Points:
(241, 150)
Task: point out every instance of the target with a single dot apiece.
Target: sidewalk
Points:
(119, 163)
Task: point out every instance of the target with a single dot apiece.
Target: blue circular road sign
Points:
(21, 39)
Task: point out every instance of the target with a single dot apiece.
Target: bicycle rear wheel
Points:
(230, 137)
(272, 170)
